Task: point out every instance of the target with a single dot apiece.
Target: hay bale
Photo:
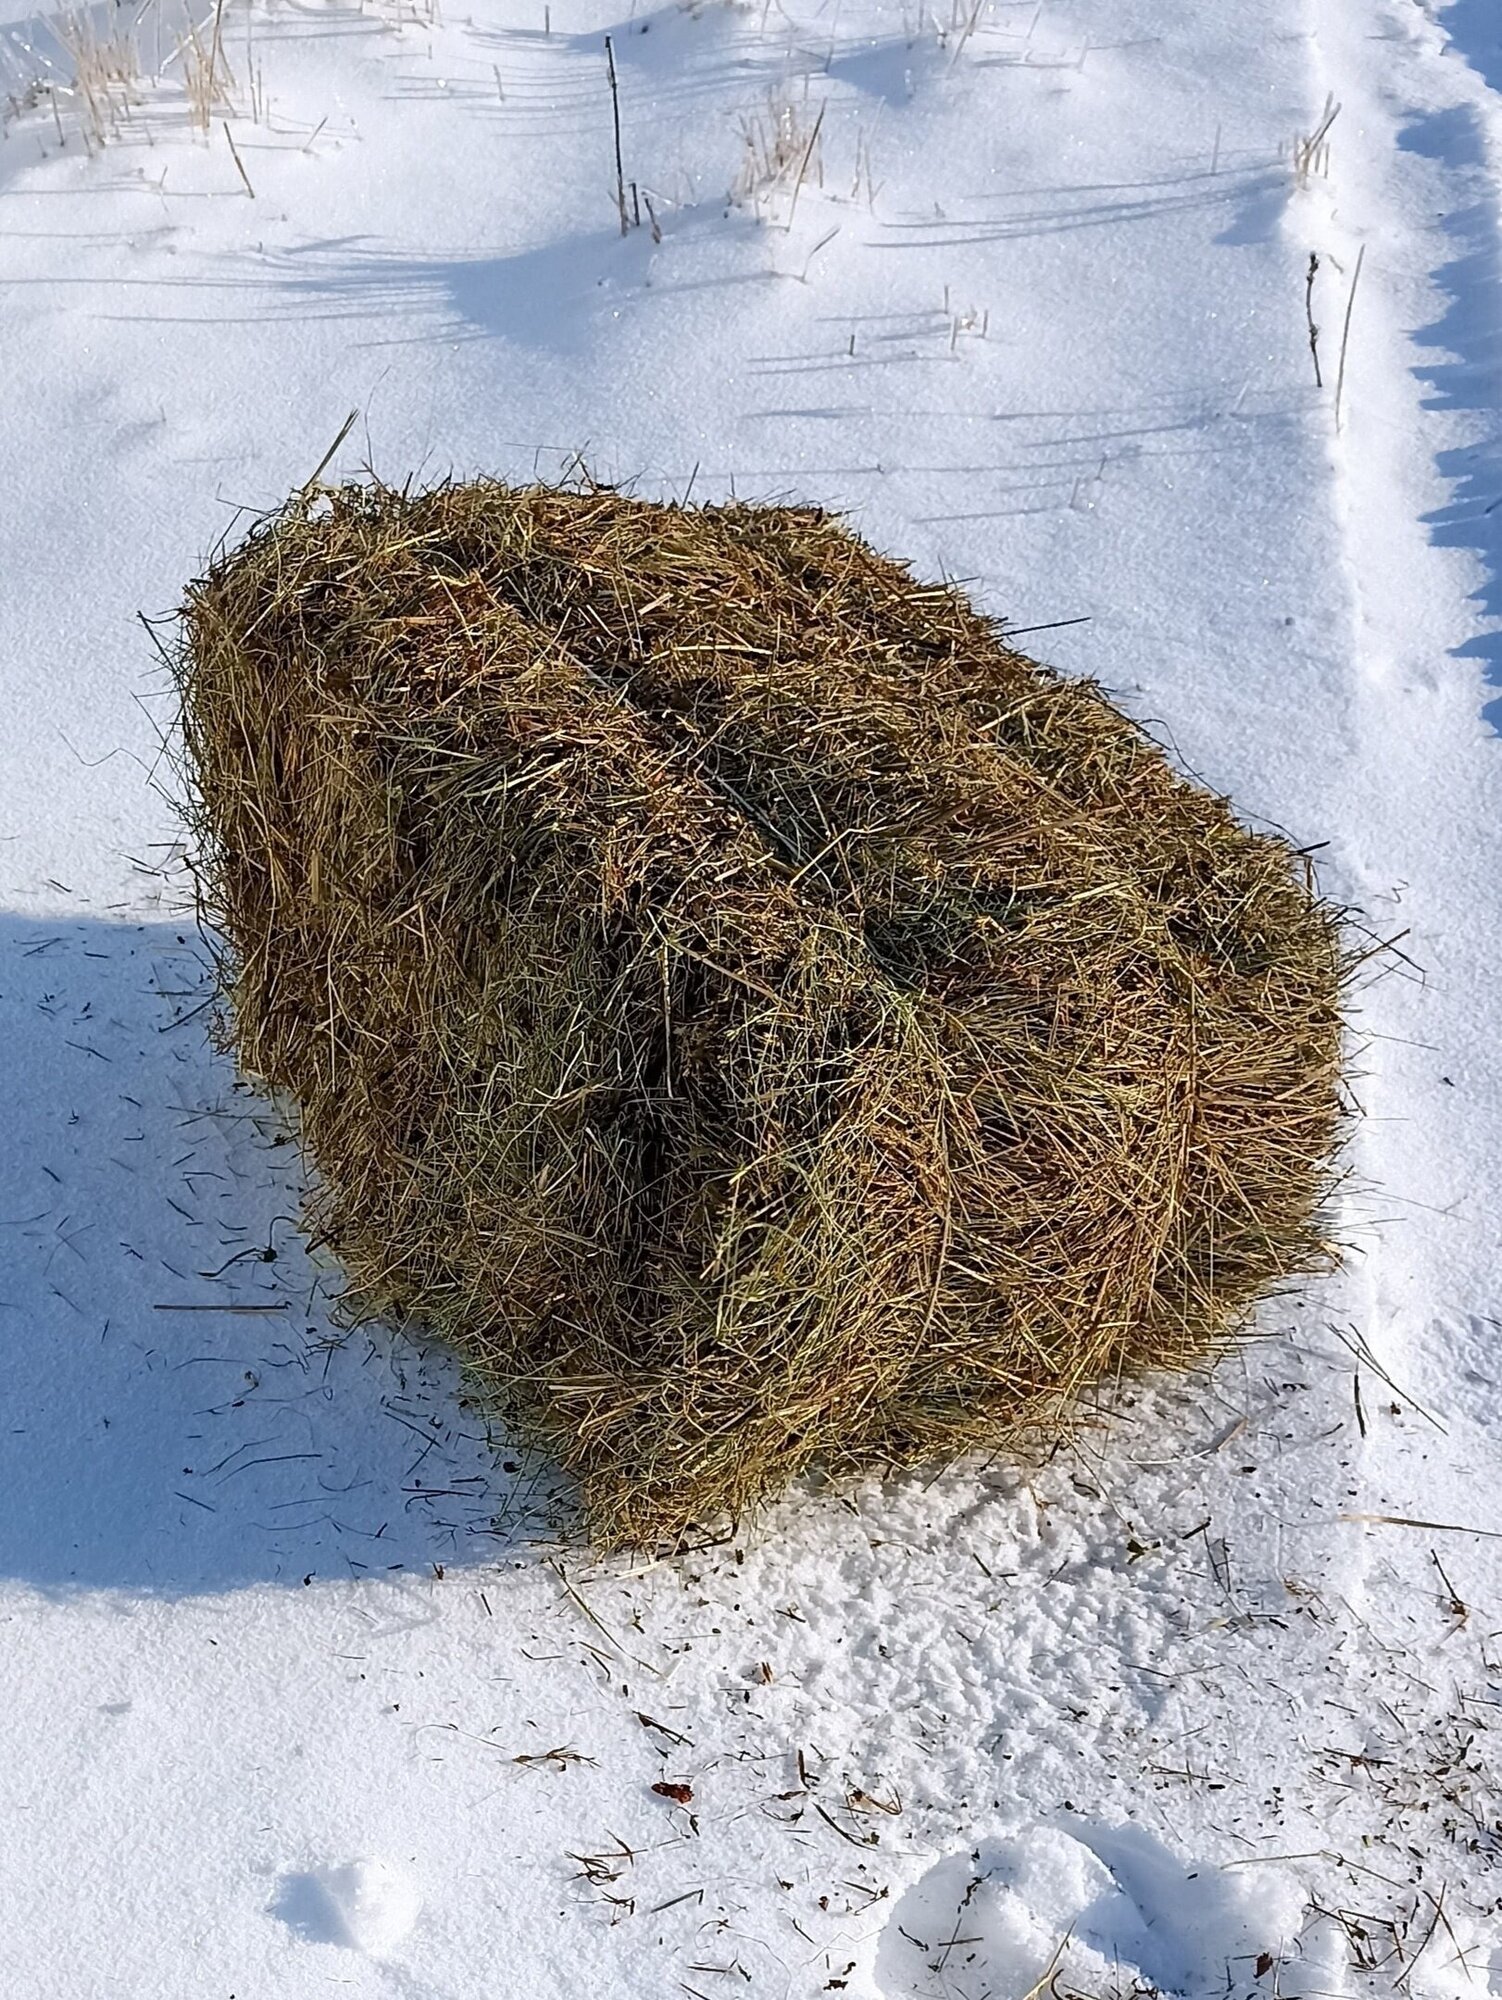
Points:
(751, 1012)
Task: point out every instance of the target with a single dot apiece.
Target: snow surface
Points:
(299, 1693)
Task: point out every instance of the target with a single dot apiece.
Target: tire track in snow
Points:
(1412, 492)
(1416, 468)
(1416, 478)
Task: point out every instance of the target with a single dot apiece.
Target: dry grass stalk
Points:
(106, 82)
(234, 151)
(208, 82)
(404, 13)
(780, 151)
(1345, 334)
(756, 1015)
(1311, 151)
(964, 18)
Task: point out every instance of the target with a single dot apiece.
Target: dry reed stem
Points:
(106, 74)
(779, 150)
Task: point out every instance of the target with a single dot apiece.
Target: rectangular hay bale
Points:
(752, 1013)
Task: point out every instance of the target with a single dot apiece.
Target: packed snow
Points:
(302, 1691)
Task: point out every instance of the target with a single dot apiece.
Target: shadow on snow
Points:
(1466, 374)
(181, 1413)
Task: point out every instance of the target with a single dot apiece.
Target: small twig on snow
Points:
(615, 111)
(1309, 316)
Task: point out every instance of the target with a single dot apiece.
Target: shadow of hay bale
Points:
(755, 1015)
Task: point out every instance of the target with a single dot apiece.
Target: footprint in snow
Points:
(366, 1906)
(1111, 1907)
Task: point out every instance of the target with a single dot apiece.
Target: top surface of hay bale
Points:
(752, 1012)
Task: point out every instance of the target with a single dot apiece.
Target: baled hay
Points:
(751, 1012)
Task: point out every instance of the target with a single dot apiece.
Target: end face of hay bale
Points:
(752, 1013)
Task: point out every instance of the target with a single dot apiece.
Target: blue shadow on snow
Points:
(181, 1414)
(1467, 375)
(1475, 30)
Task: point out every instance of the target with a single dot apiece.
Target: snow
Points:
(300, 1691)
(1115, 1893)
(366, 1906)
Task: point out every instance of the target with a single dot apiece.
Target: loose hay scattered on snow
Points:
(755, 1015)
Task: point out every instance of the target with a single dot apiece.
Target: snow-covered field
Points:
(1209, 1704)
